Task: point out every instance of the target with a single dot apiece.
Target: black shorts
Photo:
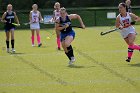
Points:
(9, 27)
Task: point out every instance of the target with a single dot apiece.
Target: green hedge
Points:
(90, 16)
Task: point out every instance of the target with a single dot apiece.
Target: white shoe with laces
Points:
(33, 45)
(8, 50)
(13, 50)
(71, 61)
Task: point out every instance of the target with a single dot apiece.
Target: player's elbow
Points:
(139, 19)
(78, 16)
(56, 28)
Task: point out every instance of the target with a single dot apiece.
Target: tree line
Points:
(26, 4)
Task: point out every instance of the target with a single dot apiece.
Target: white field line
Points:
(79, 82)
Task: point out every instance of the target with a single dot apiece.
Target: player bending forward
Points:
(63, 24)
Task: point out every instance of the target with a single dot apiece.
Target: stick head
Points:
(102, 33)
(16, 24)
(26, 23)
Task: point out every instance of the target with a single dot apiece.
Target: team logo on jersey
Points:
(9, 17)
(126, 21)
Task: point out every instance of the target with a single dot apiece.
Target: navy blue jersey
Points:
(9, 17)
(63, 22)
(128, 9)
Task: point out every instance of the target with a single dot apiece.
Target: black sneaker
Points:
(39, 45)
(128, 59)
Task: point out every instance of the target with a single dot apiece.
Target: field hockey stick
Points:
(15, 24)
(113, 30)
(19, 24)
(28, 23)
(22, 23)
(107, 32)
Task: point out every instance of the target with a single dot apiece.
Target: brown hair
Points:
(123, 4)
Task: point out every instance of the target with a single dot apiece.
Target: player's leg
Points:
(7, 40)
(38, 37)
(69, 52)
(32, 37)
(12, 39)
(58, 39)
(131, 46)
(65, 49)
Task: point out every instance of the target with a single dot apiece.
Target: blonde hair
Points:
(9, 5)
(56, 3)
(34, 5)
(128, 1)
(63, 9)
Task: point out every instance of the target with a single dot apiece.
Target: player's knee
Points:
(12, 37)
(67, 44)
(130, 43)
(58, 36)
(7, 38)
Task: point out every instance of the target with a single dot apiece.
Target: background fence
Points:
(91, 16)
(26, 4)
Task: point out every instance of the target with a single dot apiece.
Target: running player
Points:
(63, 24)
(8, 18)
(56, 14)
(123, 21)
(35, 17)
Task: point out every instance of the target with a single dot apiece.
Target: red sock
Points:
(136, 47)
(38, 39)
(130, 52)
(32, 37)
(58, 42)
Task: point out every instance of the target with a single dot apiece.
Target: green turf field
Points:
(100, 65)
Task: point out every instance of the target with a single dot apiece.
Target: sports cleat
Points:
(8, 50)
(39, 45)
(33, 45)
(13, 50)
(71, 61)
(59, 48)
(128, 59)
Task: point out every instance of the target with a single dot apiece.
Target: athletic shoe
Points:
(33, 45)
(128, 59)
(59, 48)
(13, 50)
(39, 45)
(71, 61)
(8, 50)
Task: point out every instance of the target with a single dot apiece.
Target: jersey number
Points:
(10, 21)
(35, 19)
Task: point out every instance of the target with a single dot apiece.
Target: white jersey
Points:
(126, 23)
(56, 14)
(34, 20)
